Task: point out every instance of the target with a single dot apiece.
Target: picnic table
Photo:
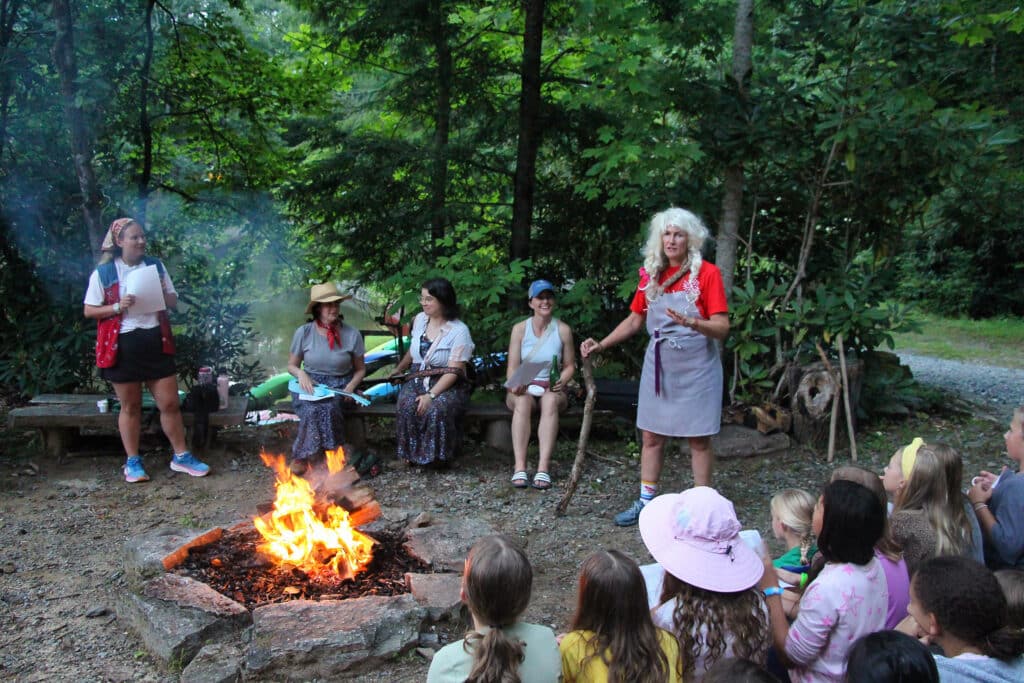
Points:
(61, 417)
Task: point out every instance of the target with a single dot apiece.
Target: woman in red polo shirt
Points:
(681, 300)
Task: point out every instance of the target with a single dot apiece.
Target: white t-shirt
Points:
(129, 322)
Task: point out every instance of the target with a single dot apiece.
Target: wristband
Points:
(979, 506)
(772, 590)
(803, 580)
(117, 307)
(432, 395)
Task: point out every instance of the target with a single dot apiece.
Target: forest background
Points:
(851, 158)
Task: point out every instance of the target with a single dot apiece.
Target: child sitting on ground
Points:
(890, 657)
(847, 600)
(958, 604)
(613, 638)
(792, 510)
(496, 586)
(930, 514)
(888, 554)
(703, 588)
(791, 522)
(1000, 510)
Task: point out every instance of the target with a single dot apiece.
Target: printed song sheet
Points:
(144, 284)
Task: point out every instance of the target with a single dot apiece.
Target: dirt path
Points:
(62, 527)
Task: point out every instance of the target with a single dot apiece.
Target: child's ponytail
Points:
(496, 657)
(497, 582)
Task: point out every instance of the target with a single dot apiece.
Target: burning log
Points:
(309, 531)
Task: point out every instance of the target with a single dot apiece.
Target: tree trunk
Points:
(442, 116)
(732, 200)
(145, 128)
(813, 401)
(78, 128)
(8, 17)
(529, 130)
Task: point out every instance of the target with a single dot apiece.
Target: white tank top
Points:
(550, 345)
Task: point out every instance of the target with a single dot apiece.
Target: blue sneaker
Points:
(631, 516)
(187, 463)
(133, 471)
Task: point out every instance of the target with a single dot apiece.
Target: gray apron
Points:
(681, 384)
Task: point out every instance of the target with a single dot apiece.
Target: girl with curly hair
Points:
(613, 638)
(703, 588)
(496, 586)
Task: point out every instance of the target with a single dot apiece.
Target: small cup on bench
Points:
(103, 405)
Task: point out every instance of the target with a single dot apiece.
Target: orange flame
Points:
(311, 536)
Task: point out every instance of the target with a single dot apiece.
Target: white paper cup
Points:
(534, 390)
(974, 482)
(103, 405)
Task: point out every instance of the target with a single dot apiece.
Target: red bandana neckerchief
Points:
(333, 334)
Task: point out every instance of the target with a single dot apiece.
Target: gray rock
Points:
(439, 593)
(737, 441)
(151, 554)
(305, 640)
(175, 616)
(219, 663)
(445, 546)
(98, 611)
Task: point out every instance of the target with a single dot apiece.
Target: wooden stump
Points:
(811, 403)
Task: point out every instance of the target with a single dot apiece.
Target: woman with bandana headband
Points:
(136, 348)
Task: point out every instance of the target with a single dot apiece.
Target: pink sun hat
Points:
(695, 536)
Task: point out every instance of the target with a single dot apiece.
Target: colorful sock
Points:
(648, 490)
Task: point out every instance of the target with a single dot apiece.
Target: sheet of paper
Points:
(144, 285)
(526, 372)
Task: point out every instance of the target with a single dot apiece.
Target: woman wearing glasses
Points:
(436, 392)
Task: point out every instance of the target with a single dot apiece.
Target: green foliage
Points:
(49, 347)
(215, 328)
(766, 328)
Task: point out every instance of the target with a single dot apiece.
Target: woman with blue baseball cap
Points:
(539, 338)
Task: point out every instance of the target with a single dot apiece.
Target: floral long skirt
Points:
(321, 423)
(435, 436)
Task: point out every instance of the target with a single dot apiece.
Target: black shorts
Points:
(140, 358)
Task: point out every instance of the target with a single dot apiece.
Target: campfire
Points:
(306, 545)
(310, 534)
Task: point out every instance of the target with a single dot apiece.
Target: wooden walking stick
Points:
(835, 404)
(581, 447)
(846, 397)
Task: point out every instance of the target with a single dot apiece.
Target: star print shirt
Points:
(845, 602)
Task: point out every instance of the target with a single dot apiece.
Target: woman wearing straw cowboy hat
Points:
(324, 351)
(135, 348)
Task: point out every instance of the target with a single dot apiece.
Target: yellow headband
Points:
(909, 456)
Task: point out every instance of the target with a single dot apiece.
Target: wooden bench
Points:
(60, 417)
(495, 418)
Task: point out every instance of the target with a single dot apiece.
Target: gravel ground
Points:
(62, 526)
(997, 390)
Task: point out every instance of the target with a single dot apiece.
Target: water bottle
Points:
(222, 389)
